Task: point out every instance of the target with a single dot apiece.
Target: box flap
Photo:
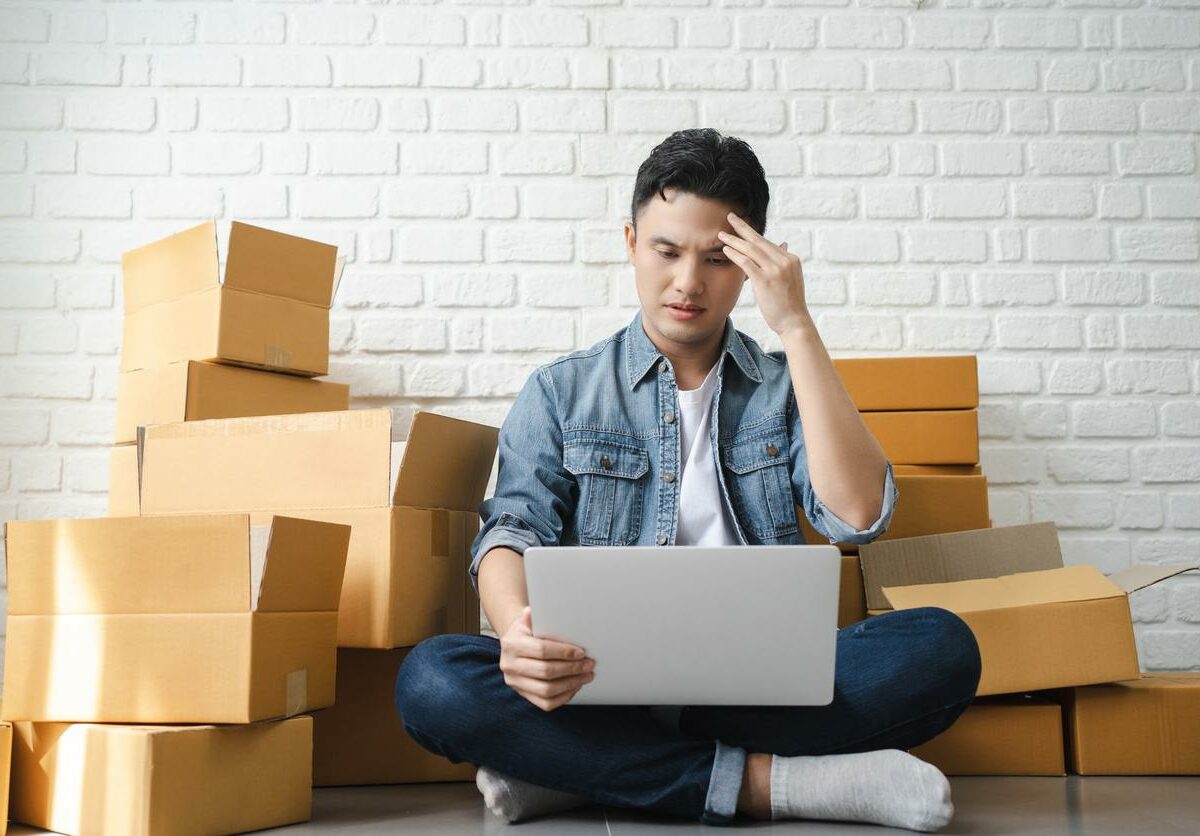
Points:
(305, 562)
(1072, 583)
(446, 463)
(278, 264)
(171, 267)
(1139, 577)
(957, 556)
(128, 565)
(339, 266)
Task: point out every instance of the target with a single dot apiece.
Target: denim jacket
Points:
(589, 453)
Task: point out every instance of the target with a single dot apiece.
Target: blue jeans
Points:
(901, 678)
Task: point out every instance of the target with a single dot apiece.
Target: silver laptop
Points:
(692, 625)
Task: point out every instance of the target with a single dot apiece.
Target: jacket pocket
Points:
(611, 488)
(761, 483)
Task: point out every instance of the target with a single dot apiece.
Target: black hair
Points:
(705, 163)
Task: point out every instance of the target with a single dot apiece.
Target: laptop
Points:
(692, 625)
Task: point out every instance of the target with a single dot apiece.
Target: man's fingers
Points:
(547, 669)
(543, 687)
(536, 648)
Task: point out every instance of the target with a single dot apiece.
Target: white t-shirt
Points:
(703, 519)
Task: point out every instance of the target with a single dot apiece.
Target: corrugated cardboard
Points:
(893, 383)
(162, 780)
(852, 606)
(926, 504)
(925, 437)
(1144, 726)
(191, 391)
(6, 747)
(1000, 736)
(122, 481)
(271, 309)
(413, 505)
(957, 556)
(361, 739)
(1045, 629)
(199, 619)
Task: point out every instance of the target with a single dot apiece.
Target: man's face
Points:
(685, 283)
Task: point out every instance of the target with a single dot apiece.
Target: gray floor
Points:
(1027, 806)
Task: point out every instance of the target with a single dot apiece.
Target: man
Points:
(680, 429)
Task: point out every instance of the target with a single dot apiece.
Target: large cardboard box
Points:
(1000, 736)
(122, 480)
(894, 383)
(271, 309)
(1049, 628)
(1144, 726)
(6, 747)
(361, 739)
(163, 780)
(195, 619)
(413, 506)
(189, 390)
(922, 437)
(852, 605)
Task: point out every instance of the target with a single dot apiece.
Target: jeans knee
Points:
(426, 683)
(956, 648)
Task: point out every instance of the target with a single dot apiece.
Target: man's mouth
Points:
(680, 306)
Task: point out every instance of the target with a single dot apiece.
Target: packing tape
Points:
(297, 692)
(277, 356)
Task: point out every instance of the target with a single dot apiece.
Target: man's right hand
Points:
(543, 671)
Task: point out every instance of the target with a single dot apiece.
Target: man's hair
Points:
(703, 162)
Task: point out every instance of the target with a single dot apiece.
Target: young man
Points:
(680, 429)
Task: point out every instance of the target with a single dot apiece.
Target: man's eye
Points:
(665, 254)
(718, 261)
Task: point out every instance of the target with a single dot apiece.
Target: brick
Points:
(466, 333)
(392, 333)
(967, 201)
(1136, 376)
(474, 290)
(1181, 419)
(447, 69)
(1108, 554)
(535, 156)
(1005, 376)
(407, 115)
(1042, 200)
(565, 201)
(544, 28)
(1184, 510)
(183, 70)
(637, 31)
(1013, 289)
(1056, 244)
(359, 156)
(1180, 288)
(1168, 463)
(1140, 510)
(53, 155)
(450, 243)
(180, 200)
(1027, 115)
(859, 245)
(1114, 419)
(996, 73)
(340, 27)
(112, 113)
(1043, 331)
(1120, 200)
(804, 201)
(1020, 32)
(685, 73)
(252, 114)
(38, 245)
(948, 31)
(530, 242)
(774, 31)
(1179, 115)
(1154, 331)
(24, 25)
(451, 155)
(216, 156)
(1137, 74)
(337, 114)
(85, 198)
(564, 290)
(421, 27)
(425, 198)
(1064, 157)
(848, 158)
(872, 116)
(894, 288)
(435, 379)
(527, 71)
(1168, 550)
(288, 70)
(157, 26)
(969, 159)
(880, 201)
(855, 332)
(652, 114)
(46, 380)
(1159, 243)
(257, 201)
(564, 113)
(37, 472)
(910, 74)
(77, 68)
(823, 74)
(959, 115)
(494, 201)
(946, 245)
(1075, 377)
(1012, 465)
(1068, 465)
(475, 113)
(382, 70)
(531, 332)
(1147, 31)
(1073, 509)
(242, 26)
(859, 31)
(1174, 201)
(30, 111)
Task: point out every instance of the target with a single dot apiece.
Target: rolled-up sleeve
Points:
(533, 489)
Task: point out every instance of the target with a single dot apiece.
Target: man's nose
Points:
(688, 278)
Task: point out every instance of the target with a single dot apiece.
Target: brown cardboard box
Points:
(852, 604)
(122, 481)
(164, 780)
(926, 504)
(413, 506)
(200, 619)
(894, 383)
(936, 469)
(361, 739)
(6, 747)
(1000, 736)
(189, 390)
(1144, 726)
(948, 436)
(271, 309)
(1042, 629)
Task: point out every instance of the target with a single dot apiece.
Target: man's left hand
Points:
(775, 273)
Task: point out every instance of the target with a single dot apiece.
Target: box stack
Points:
(201, 345)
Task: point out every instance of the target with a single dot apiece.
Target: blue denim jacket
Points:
(589, 452)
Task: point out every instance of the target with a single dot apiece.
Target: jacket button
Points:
(772, 450)
(669, 417)
(606, 462)
(661, 539)
(662, 367)
(668, 477)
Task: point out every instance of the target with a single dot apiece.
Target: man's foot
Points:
(885, 787)
(515, 800)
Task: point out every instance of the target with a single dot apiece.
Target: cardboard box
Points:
(927, 504)
(361, 739)
(122, 481)
(948, 436)
(163, 780)
(852, 605)
(271, 309)
(1000, 736)
(191, 391)
(413, 506)
(198, 619)
(1144, 726)
(1042, 629)
(894, 383)
(6, 747)
(936, 469)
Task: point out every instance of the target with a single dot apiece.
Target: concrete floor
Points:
(1026, 806)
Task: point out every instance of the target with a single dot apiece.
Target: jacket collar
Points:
(641, 353)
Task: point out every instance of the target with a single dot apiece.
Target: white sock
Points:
(515, 800)
(888, 787)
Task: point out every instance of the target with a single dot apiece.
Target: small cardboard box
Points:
(1000, 736)
(361, 739)
(1049, 628)
(6, 748)
(89, 778)
(413, 506)
(1144, 726)
(198, 619)
(122, 481)
(895, 383)
(948, 436)
(271, 309)
(189, 390)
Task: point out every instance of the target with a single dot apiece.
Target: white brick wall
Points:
(1012, 178)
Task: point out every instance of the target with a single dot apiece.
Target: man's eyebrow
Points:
(662, 239)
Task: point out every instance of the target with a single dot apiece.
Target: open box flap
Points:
(1140, 577)
(171, 267)
(191, 564)
(278, 264)
(1069, 584)
(304, 563)
(446, 463)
